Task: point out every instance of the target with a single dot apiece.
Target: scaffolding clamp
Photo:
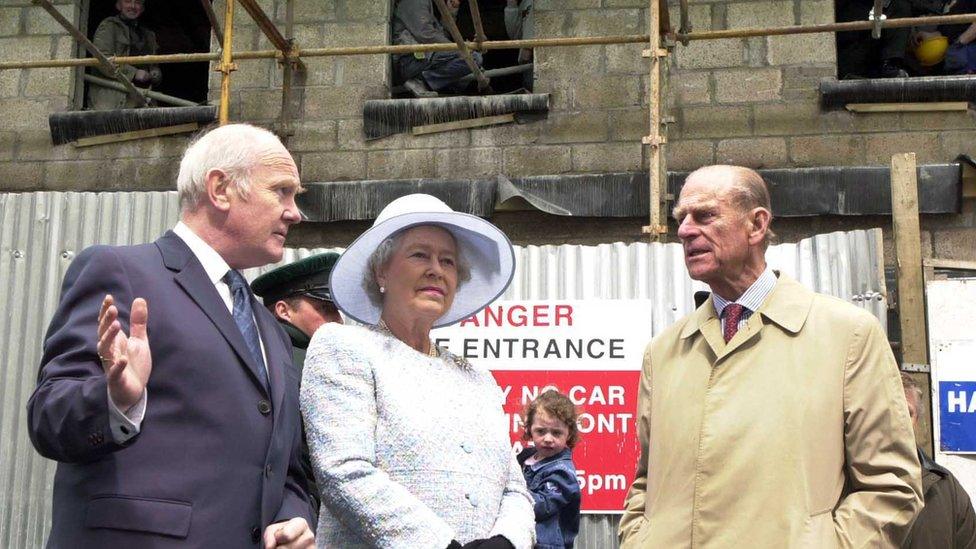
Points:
(878, 21)
(658, 52)
(654, 140)
(655, 230)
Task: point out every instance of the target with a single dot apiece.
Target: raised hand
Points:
(126, 359)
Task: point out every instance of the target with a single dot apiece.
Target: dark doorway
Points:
(181, 26)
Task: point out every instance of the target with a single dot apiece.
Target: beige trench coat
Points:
(795, 434)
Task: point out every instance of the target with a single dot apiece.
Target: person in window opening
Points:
(859, 55)
(424, 74)
(960, 57)
(123, 35)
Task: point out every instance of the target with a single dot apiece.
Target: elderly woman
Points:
(408, 441)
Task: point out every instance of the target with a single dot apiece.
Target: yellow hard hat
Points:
(932, 50)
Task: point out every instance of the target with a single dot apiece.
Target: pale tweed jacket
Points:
(795, 434)
(408, 450)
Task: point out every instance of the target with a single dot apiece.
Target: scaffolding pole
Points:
(227, 64)
(212, 17)
(655, 141)
(479, 30)
(448, 20)
(490, 45)
(497, 44)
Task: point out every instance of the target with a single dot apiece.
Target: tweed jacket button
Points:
(264, 407)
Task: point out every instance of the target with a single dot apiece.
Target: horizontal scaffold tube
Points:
(496, 44)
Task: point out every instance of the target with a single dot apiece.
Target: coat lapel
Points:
(191, 276)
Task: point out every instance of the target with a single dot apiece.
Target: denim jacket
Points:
(556, 492)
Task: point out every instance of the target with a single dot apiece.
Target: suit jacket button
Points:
(264, 407)
(255, 534)
(267, 471)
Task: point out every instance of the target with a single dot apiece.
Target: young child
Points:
(550, 423)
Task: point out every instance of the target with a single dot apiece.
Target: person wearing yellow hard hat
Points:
(961, 54)
(930, 48)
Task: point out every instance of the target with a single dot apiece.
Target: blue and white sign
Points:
(957, 396)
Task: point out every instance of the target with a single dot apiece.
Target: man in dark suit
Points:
(165, 391)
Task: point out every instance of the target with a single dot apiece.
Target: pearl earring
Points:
(382, 289)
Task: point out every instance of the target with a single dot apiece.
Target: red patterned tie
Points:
(733, 314)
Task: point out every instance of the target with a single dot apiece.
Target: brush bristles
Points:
(383, 117)
(72, 125)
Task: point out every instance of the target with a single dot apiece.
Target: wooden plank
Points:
(956, 264)
(463, 124)
(968, 180)
(908, 107)
(911, 289)
(137, 134)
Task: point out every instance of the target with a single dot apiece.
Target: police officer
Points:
(298, 295)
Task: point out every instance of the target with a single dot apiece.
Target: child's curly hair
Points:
(558, 406)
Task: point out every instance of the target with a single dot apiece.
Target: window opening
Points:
(499, 65)
(905, 52)
(179, 26)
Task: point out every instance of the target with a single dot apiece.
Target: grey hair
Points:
(748, 190)
(384, 252)
(233, 149)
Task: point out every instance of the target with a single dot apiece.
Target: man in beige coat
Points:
(771, 416)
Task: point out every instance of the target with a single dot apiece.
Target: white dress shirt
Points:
(751, 299)
(125, 425)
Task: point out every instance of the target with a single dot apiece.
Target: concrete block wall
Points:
(750, 101)
(753, 101)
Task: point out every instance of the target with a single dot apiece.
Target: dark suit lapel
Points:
(278, 358)
(193, 279)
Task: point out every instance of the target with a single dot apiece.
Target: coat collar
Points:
(191, 276)
(787, 306)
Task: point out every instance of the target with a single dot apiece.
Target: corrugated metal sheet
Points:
(41, 232)
(39, 235)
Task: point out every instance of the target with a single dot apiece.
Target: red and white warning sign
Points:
(589, 350)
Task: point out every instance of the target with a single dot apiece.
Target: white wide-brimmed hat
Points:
(484, 246)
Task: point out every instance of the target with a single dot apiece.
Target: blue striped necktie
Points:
(244, 318)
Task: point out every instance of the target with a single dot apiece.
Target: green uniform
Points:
(299, 344)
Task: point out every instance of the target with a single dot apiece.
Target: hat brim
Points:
(484, 246)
